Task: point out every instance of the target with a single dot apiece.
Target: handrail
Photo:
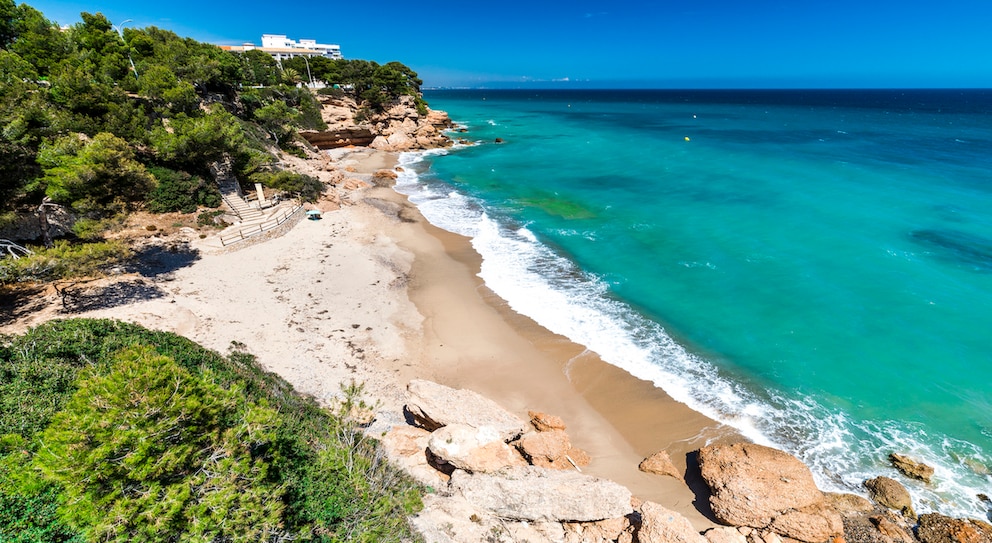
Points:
(269, 224)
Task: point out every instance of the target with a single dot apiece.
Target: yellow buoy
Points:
(687, 138)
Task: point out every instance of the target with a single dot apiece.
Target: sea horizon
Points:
(720, 288)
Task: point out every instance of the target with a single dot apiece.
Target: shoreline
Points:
(375, 293)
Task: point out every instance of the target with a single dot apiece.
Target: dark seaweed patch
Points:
(961, 247)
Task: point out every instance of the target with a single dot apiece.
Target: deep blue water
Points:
(811, 267)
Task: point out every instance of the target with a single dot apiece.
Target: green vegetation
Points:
(111, 432)
(64, 260)
(92, 119)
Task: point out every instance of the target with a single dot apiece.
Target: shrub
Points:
(95, 390)
(64, 260)
(163, 452)
(180, 191)
(309, 188)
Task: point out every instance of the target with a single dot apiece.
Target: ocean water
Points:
(813, 268)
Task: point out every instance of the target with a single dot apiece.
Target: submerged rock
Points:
(911, 468)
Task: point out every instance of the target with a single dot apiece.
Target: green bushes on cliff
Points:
(85, 111)
(112, 432)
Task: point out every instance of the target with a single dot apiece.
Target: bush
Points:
(309, 188)
(64, 260)
(209, 218)
(166, 452)
(94, 390)
(180, 191)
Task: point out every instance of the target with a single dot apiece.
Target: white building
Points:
(281, 47)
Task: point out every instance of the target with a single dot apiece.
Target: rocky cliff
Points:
(399, 128)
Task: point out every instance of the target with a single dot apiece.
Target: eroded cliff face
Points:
(399, 128)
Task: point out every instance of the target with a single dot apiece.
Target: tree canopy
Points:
(86, 111)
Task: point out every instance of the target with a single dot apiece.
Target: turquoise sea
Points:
(813, 268)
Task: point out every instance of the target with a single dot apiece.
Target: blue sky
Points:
(663, 44)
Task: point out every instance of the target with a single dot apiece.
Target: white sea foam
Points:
(538, 283)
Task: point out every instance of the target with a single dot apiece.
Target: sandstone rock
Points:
(660, 525)
(937, 528)
(757, 486)
(438, 119)
(354, 184)
(399, 141)
(342, 137)
(432, 406)
(660, 463)
(890, 493)
(604, 531)
(911, 468)
(380, 142)
(815, 523)
(536, 494)
(473, 449)
(544, 422)
(545, 449)
(405, 447)
(848, 503)
(724, 534)
(891, 530)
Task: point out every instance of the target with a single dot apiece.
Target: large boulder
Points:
(535, 494)
(661, 525)
(911, 468)
(890, 493)
(937, 528)
(473, 449)
(432, 406)
(760, 487)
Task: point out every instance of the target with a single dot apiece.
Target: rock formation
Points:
(399, 128)
(911, 468)
(765, 488)
(890, 493)
(432, 406)
(660, 463)
(465, 449)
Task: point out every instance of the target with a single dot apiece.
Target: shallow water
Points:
(811, 267)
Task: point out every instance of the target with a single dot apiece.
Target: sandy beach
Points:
(374, 293)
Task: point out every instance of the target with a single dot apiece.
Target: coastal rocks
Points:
(406, 447)
(911, 468)
(432, 406)
(543, 422)
(550, 449)
(534, 494)
(724, 534)
(660, 463)
(340, 137)
(478, 450)
(937, 528)
(890, 493)
(660, 525)
(384, 178)
(761, 487)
